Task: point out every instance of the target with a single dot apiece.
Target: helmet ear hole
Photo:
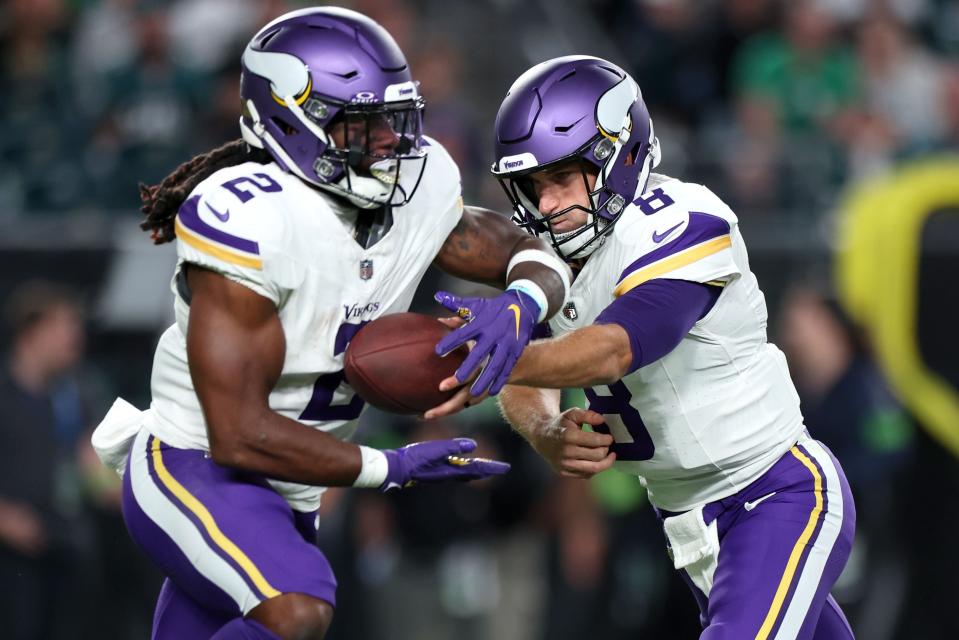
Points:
(284, 126)
(633, 153)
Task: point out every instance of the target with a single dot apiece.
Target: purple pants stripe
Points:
(783, 541)
(800, 551)
(807, 548)
(225, 539)
(205, 524)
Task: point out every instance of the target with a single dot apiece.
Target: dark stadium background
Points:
(98, 95)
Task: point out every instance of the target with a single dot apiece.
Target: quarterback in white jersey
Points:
(719, 409)
(325, 216)
(665, 329)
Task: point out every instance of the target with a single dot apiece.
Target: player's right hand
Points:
(571, 451)
(437, 461)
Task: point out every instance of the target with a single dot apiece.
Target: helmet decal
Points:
(287, 74)
(612, 109)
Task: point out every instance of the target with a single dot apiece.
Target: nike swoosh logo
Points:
(516, 312)
(658, 237)
(749, 506)
(223, 217)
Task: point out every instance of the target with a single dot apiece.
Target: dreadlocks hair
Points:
(162, 201)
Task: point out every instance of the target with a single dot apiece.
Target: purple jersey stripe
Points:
(210, 543)
(189, 216)
(701, 227)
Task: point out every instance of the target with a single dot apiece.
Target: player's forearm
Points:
(272, 445)
(534, 262)
(486, 247)
(593, 355)
(528, 410)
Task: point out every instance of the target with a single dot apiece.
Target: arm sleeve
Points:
(658, 314)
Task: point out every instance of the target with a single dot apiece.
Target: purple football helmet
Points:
(575, 108)
(314, 69)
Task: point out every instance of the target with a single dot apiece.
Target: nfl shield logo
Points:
(569, 311)
(366, 269)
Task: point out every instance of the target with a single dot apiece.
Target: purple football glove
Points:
(437, 461)
(501, 327)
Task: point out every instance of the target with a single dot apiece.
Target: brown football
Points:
(392, 364)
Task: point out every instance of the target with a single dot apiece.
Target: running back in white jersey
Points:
(717, 411)
(267, 230)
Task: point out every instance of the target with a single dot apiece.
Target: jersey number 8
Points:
(623, 422)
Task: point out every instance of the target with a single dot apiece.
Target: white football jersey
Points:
(711, 416)
(267, 230)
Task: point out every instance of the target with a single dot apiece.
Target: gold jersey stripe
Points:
(187, 236)
(670, 263)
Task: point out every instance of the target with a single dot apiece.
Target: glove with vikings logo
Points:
(437, 461)
(501, 327)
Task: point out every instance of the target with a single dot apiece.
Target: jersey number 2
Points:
(623, 422)
(321, 407)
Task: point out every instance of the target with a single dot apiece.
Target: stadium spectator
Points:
(43, 546)
(42, 138)
(144, 127)
(902, 95)
(794, 90)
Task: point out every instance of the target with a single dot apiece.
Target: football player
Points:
(665, 328)
(325, 216)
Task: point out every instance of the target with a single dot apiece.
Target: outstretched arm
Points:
(638, 328)
(236, 348)
(594, 355)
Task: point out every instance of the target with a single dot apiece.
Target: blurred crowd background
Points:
(781, 107)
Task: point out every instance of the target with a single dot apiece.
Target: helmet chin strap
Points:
(573, 246)
(369, 192)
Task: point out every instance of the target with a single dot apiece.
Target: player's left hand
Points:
(501, 327)
(437, 461)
